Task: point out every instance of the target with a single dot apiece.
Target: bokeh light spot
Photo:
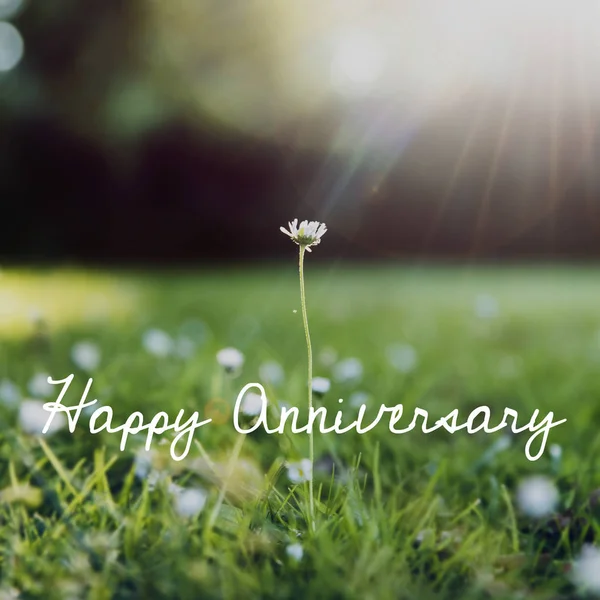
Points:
(11, 46)
(9, 8)
(357, 62)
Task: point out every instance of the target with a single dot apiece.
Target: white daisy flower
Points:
(425, 535)
(308, 233)
(321, 385)
(157, 342)
(188, 502)
(403, 357)
(252, 404)
(10, 593)
(143, 463)
(271, 372)
(486, 306)
(555, 452)
(586, 569)
(348, 370)
(537, 496)
(33, 417)
(86, 355)
(175, 489)
(154, 477)
(299, 472)
(39, 387)
(10, 395)
(295, 551)
(231, 359)
(504, 442)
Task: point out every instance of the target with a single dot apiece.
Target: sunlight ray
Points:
(494, 167)
(456, 173)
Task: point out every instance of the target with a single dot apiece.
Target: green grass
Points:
(403, 516)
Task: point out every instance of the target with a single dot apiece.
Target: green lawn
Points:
(398, 516)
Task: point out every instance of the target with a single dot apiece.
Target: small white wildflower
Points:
(308, 233)
(537, 496)
(348, 370)
(155, 476)
(86, 355)
(231, 359)
(157, 342)
(403, 357)
(586, 569)
(252, 404)
(39, 387)
(295, 551)
(555, 452)
(188, 502)
(299, 472)
(357, 399)
(321, 385)
(425, 535)
(143, 463)
(10, 394)
(450, 536)
(9, 593)
(33, 417)
(486, 306)
(503, 443)
(174, 489)
(271, 372)
(328, 356)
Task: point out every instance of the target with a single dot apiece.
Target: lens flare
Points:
(357, 62)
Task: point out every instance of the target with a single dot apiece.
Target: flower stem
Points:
(311, 446)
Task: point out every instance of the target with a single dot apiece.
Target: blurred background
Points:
(148, 131)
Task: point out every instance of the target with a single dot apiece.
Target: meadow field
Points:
(410, 516)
